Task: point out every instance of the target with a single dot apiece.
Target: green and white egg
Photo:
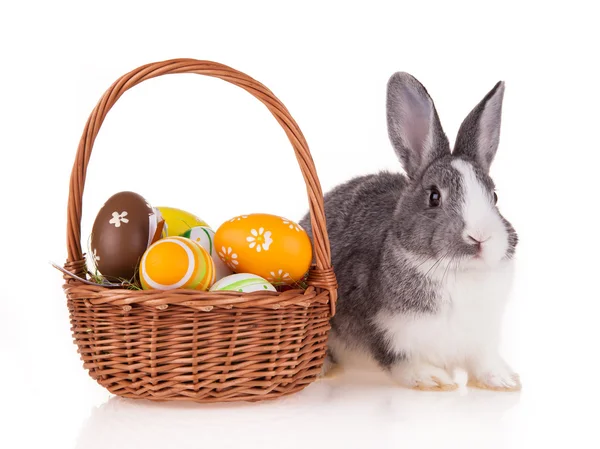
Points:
(242, 282)
(205, 237)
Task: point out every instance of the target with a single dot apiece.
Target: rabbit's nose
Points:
(475, 239)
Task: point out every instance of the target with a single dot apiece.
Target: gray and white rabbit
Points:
(424, 261)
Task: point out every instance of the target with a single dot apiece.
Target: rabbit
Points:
(425, 261)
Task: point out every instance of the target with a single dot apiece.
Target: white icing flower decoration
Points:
(279, 277)
(292, 225)
(238, 218)
(229, 257)
(118, 218)
(260, 239)
(96, 256)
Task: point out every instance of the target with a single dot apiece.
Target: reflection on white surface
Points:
(357, 409)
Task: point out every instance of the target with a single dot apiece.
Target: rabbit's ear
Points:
(413, 124)
(479, 134)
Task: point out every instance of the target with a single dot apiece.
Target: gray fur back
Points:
(359, 216)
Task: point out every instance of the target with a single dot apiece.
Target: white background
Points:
(206, 146)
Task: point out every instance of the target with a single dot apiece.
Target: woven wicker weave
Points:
(191, 345)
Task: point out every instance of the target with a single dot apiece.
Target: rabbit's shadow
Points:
(353, 407)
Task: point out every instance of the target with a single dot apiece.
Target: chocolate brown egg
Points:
(124, 228)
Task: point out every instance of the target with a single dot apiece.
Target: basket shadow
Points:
(352, 408)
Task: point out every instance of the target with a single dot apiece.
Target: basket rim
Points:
(318, 291)
(161, 299)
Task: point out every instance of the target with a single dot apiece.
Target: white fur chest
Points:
(471, 308)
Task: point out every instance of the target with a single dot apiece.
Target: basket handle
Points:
(322, 276)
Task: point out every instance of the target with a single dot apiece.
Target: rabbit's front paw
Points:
(495, 376)
(423, 376)
(497, 381)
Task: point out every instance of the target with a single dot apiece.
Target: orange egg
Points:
(176, 262)
(269, 246)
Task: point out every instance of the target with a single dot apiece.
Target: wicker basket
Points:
(191, 345)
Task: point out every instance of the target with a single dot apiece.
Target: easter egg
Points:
(124, 228)
(178, 221)
(176, 262)
(269, 246)
(242, 282)
(205, 236)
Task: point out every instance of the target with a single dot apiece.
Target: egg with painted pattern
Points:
(124, 228)
(176, 262)
(269, 246)
(205, 237)
(243, 282)
(178, 221)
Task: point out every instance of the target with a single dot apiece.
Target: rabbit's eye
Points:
(435, 197)
(495, 198)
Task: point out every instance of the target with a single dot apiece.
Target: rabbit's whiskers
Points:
(438, 262)
(426, 259)
(452, 259)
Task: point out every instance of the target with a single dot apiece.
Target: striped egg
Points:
(205, 236)
(176, 262)
(243, 282)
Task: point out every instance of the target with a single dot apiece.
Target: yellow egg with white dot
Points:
(176, 262)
